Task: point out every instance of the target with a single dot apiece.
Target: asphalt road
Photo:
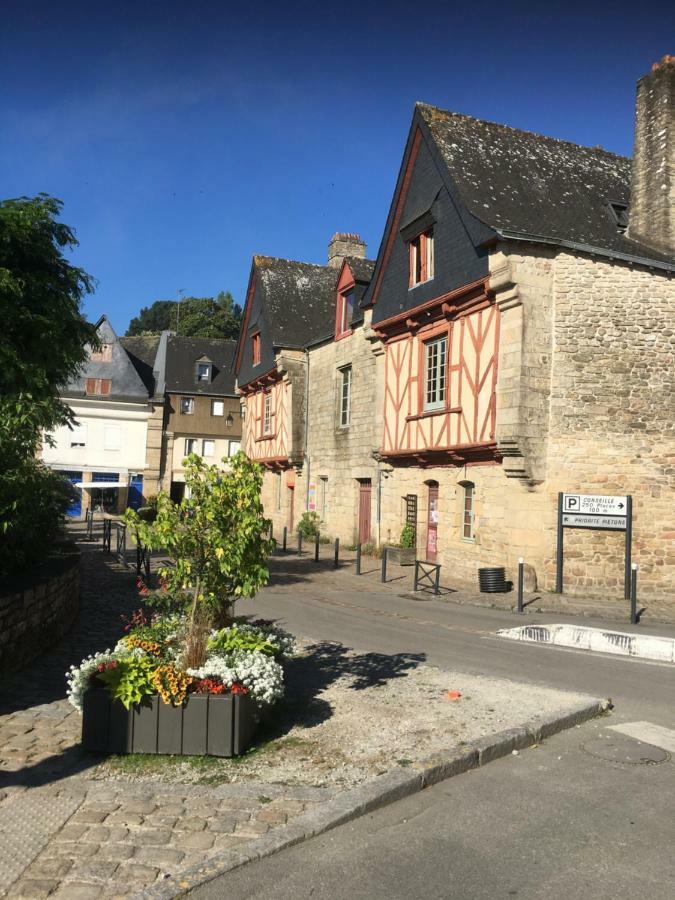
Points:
(588, 814)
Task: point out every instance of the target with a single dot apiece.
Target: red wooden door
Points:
(365, 489)
(432, 523)
(291, 505)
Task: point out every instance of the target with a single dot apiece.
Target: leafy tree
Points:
(44, 342)
(207, 317)
(215, 541)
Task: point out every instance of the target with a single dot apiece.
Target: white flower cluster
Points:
(77, 677)
(263, 677)
(282, 640)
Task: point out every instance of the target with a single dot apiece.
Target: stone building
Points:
(516, 340)
(201, 409)
(107, 455)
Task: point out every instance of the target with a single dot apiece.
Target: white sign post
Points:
(604, 512)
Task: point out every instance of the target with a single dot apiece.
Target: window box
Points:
(206, 724)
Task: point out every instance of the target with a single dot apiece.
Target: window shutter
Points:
(90, 386)
(106, 384)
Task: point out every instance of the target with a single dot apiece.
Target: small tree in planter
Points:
(174, 684)
(215, 540)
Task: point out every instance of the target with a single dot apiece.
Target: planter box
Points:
(402, 556)
(206, 724)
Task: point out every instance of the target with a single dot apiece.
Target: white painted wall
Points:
(114, 435)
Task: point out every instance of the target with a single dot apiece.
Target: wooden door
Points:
(365, 490)
(432, 522)
(291, 507)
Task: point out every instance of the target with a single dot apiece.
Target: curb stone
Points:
(374, 794)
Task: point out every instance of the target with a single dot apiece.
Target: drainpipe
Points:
(379, 503)
(306, 455)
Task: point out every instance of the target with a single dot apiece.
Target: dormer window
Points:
(344, 313)
(619, 213)
(203, 372)
(421, 255)
(255, 348)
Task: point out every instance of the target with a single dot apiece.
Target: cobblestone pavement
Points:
(65, 834)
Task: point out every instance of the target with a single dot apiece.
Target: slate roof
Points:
(362, 269)
(298, 299)
(142, 351)
(525, 185)
(182, 354)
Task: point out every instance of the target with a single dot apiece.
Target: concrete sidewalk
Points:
(400, 581)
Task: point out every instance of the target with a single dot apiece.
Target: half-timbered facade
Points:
(287, 306)
(512, 305)
(514, 339)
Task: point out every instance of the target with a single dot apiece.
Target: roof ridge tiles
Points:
(421, 104)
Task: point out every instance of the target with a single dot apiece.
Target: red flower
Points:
(238, 688)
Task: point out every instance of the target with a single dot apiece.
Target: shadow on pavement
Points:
(322, 664)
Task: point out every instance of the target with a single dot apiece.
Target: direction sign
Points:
(595, 505)
(615, 523)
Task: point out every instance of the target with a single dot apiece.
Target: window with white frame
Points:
(187, 405)
(190, 446)
(208, 448)
(421, 251)
(78, 436)
(435, 373)
(203, 372)
(267, 414)
(234, 448)
(112, 437)
(217, 408)
(345, 396)
(468, 518)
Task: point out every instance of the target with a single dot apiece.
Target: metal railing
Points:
(427, 574)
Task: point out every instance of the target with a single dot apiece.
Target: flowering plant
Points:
(241, 659)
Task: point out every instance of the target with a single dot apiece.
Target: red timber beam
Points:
(457, 303)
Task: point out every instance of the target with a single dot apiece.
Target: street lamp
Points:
(229, 421)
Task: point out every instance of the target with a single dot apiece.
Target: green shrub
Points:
(407, 539)
(33, 501)
(371, 550)
(309, 524)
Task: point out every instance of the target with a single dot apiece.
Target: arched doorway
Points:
(432, 521)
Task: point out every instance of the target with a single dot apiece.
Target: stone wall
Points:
(339, 456)
(612, 428)
(36, 613)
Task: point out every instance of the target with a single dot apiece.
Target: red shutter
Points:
(411, 262)
(91, 386)
(423, 257)
(106, 384)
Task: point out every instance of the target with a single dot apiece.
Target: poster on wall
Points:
(311, 497)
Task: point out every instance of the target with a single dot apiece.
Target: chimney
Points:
(344, 244)
(652, 200)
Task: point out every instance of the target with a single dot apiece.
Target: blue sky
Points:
(183, 138)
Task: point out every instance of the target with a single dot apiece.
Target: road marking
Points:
(602, 640)
(648, 733)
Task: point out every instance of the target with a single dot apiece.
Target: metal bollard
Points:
(283, 543)
(316, 547)
(633, 594)
(383, 576)
(358, 559)
(299, 543)
(415, 581)
(336, 561)
(521, 582)
(437, 586)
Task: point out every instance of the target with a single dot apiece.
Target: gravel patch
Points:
(350, 716)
